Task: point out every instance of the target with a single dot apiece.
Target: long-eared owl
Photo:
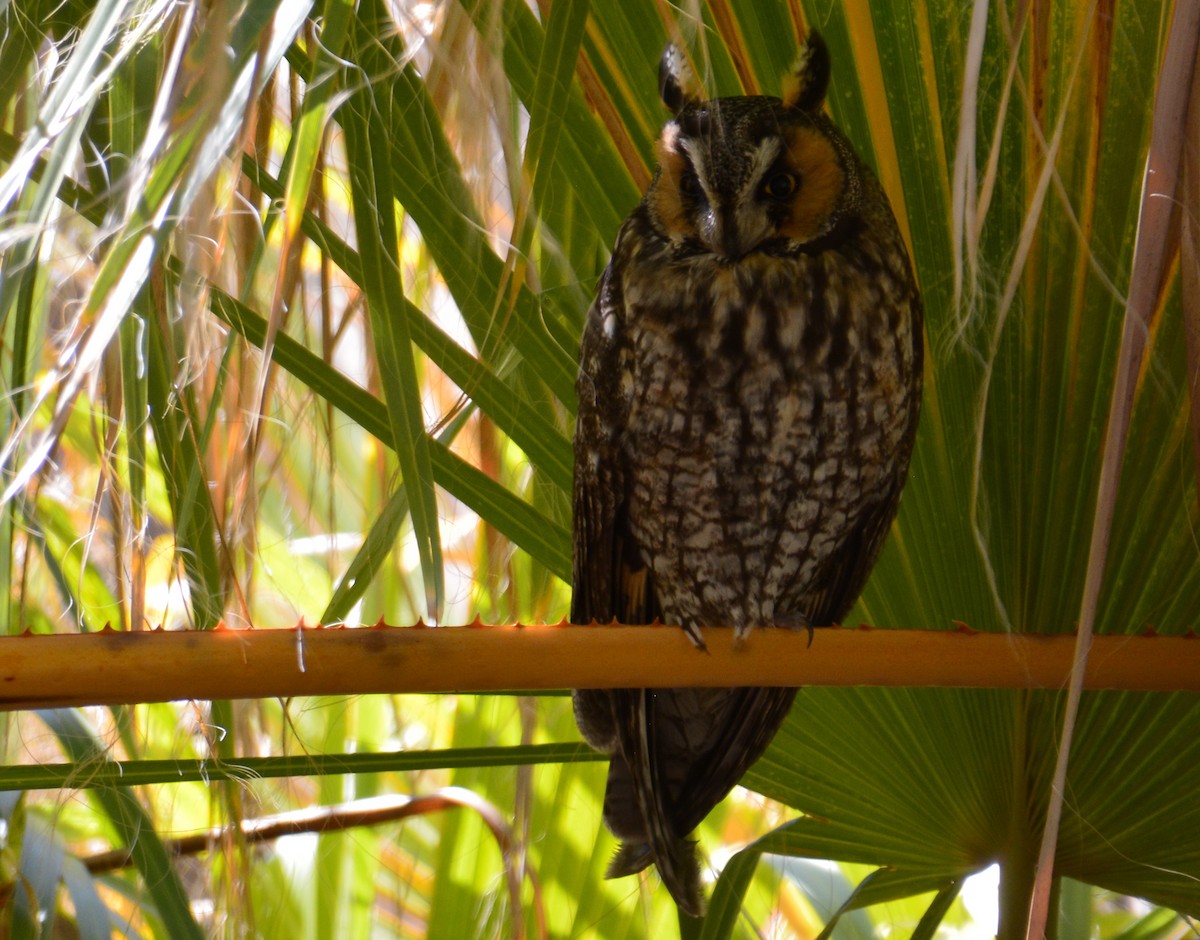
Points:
(749, 385)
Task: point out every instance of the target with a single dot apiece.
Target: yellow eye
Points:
(780, 186)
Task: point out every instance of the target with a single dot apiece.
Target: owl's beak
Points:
(728, 240)
(732, 234)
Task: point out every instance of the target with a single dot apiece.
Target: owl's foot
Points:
(697, 638)
(800, 623)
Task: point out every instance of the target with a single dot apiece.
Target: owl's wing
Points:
(679, 752)
(844, 574)
(610, 581)
(641, 799)
(752, 716)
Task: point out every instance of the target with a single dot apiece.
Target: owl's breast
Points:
(767, 408)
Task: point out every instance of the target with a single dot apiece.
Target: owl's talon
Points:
(801, 624)
(694, 634)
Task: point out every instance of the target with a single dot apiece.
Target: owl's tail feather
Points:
(678, 866)
(649, 841)
(637, 811)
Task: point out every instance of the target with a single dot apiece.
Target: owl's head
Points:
(747, 174)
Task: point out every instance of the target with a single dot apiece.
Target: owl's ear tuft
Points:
(677, 85)
(807, 81)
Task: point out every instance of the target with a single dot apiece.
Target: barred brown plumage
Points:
(749, 384)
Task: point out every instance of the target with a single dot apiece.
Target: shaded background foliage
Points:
(291, 298)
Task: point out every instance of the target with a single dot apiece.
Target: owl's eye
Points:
(780, 186)
(689, 186)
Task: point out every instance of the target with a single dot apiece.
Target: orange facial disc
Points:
(813, 158)
(668, 202)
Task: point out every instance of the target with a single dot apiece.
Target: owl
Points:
(749, 383)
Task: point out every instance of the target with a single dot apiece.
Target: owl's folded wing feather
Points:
(611, 581)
